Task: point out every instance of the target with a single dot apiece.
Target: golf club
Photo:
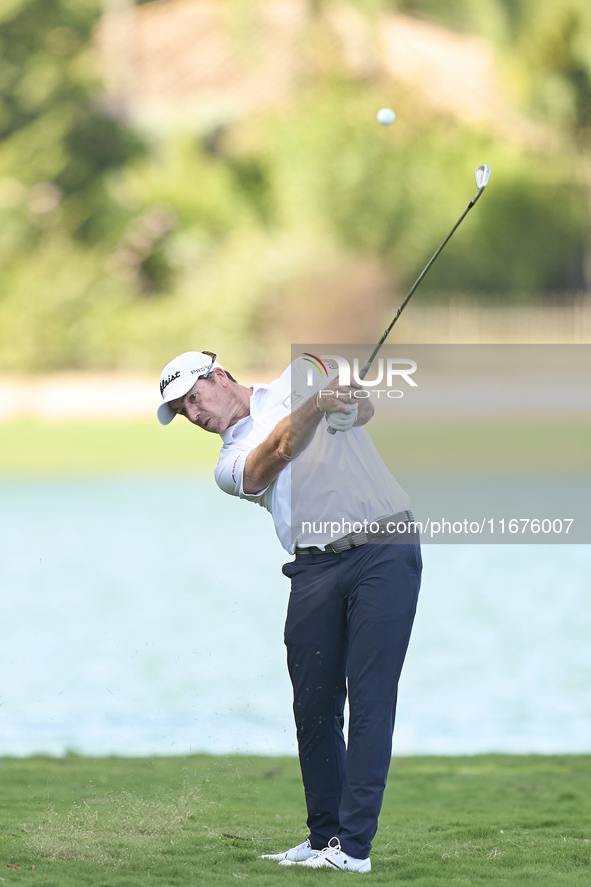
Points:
(482, 175)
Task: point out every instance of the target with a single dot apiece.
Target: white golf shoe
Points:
(295, 854)
(332, 857)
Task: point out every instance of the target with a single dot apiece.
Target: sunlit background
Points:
(188, 174)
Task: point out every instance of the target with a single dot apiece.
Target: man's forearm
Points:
(289, 438)
(291, 435)
(295, 432)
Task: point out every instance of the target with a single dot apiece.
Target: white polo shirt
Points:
(338, 480)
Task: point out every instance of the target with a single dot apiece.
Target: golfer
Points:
(354, 580)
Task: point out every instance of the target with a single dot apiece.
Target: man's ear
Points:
(220, 377)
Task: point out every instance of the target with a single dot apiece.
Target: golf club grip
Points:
(364, 371)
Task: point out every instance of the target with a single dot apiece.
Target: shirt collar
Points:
(228, 435)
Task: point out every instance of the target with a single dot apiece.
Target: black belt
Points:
(353, 540)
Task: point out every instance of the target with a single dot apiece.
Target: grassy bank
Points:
(486, 820)
(417, 444)
(35, 448)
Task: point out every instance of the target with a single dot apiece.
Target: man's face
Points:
(208, 404)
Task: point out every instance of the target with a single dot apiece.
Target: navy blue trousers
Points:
(348, 626)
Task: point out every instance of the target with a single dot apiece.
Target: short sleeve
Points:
(229, 473)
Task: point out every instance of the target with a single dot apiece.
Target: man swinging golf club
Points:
(353, 595)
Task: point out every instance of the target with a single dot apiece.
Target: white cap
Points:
(179, 376)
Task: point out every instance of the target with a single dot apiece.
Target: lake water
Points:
(145, 616)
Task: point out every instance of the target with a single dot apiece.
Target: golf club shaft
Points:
(366, 366)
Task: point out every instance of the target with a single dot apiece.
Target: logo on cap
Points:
(165, 382)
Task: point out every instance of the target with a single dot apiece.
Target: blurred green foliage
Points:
(117, 250)
(397, 204)
(56, 142)
(549, 46)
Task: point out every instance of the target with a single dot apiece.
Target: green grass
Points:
(435, 446)
(487, 820)
(483, 445)
(33, 448)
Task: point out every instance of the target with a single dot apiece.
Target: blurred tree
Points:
(277, 211)
(464, 15)
(548, 61)
(550, 48)
(56, 141)
(393, 193)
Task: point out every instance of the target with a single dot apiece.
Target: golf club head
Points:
(482, 175)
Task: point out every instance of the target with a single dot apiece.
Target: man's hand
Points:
(340, 421)
(342, 408)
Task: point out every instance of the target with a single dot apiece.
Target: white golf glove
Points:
(343, 421)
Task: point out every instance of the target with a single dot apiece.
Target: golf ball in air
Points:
(386, 116)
